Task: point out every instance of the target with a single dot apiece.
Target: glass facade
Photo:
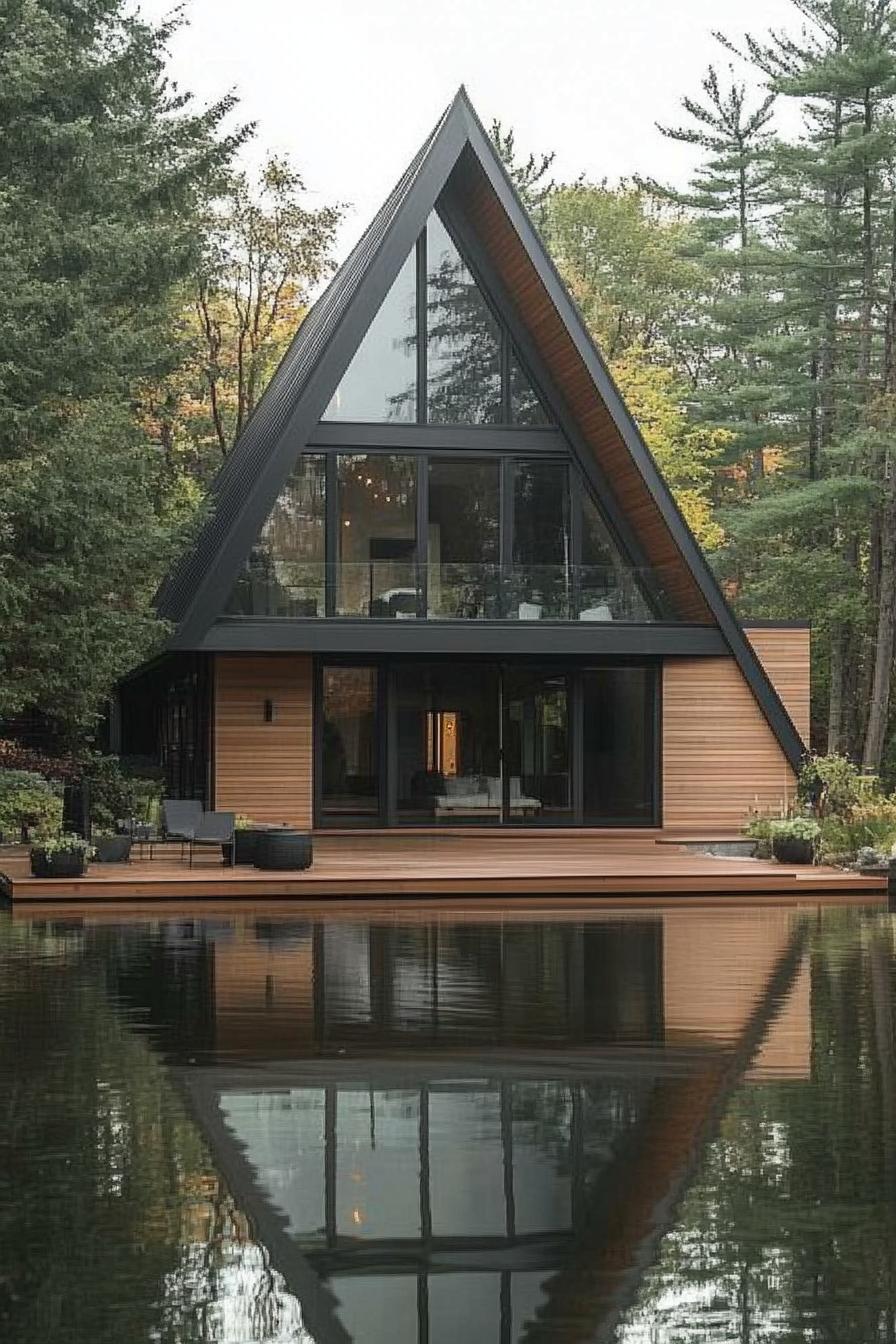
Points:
(447, 755)
(618, 743)
(488, 743)
(526, 407)
(349, 759)
(542, 554)
(285, 573)
(459, 537)
(463, 340)
(377, 535)
(473, 376)
(380, 384)
(537, 747)
(464, 535)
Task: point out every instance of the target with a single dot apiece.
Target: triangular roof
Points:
(457, 164)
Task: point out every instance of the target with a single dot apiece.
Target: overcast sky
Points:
(350, 89)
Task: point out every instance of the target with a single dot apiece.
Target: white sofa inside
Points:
(481, 795)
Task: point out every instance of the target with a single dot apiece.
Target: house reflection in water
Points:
(446, 1127)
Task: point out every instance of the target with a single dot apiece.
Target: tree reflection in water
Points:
(634, 1128)
(788, 1231)
(114, 1223)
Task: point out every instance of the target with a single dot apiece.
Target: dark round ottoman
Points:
(283, 850)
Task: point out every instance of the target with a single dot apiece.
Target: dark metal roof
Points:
(239, 472)
(248, 483)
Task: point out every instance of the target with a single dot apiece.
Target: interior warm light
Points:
(357, 1217)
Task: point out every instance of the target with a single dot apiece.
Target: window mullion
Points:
(421, 329)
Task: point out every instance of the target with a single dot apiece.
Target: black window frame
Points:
(508, 348)
(509, 450)
(572, 668)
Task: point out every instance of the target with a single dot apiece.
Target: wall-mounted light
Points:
(269, 711)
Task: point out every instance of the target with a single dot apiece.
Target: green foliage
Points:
(105, 170)
(65, 843)
(116, 795)
(794, 828)
(27, 800)
(871, 825)
(832, 785)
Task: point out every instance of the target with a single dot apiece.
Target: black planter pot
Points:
(67, 863)
(284, 851)
(789, 850)
(113, 848)
(246, 842)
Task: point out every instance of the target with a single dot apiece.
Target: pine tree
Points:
(105, 171)
(728, 198)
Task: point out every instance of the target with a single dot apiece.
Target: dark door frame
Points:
(387, 746)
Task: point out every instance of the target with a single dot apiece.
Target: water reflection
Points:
(635, 1127)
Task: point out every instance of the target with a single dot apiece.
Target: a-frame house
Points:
(442, 581)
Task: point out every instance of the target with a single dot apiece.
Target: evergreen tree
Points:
(105, 171)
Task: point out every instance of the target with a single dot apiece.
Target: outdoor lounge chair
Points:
(180, 817)
(214, 828)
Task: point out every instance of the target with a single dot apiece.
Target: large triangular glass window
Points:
(440, 356)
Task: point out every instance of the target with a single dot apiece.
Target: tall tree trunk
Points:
(835, 700)
(867, 262)
(879, 705)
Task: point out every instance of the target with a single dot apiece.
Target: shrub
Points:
(114, 794)
(63, 844)
(795, 828)
(13, 756)
(28, 800)
(871, 825)
(831, 785)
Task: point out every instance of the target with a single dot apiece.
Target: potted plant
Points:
(795, 839)
(110, 847)
(60, 856)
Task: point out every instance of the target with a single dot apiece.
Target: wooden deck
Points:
(386, 866)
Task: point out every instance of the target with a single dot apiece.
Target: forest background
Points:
(149, 286)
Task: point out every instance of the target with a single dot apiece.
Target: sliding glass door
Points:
(349, 746)
(619, 745)
(446, 761)
(405, 742)
(537, 775)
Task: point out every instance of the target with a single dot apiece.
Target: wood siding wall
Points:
(264, 770)
(784, 654)
(720, 758)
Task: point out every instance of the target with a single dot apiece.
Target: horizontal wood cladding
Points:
(565, 365)
(264, 770)
(720, 758)
(784, 653)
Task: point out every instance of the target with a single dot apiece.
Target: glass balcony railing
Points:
(398, 589)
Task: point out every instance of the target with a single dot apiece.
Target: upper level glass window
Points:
(463, 339)
(446, 537)
(542, 557)
(284, 575)
(377, 541)
(449, 338)
(380, 384)
(607, 589)
(526, 407)
(464, 539)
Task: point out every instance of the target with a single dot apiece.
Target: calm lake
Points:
(642, 1126)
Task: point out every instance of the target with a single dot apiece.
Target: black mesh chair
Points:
(215, 828)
